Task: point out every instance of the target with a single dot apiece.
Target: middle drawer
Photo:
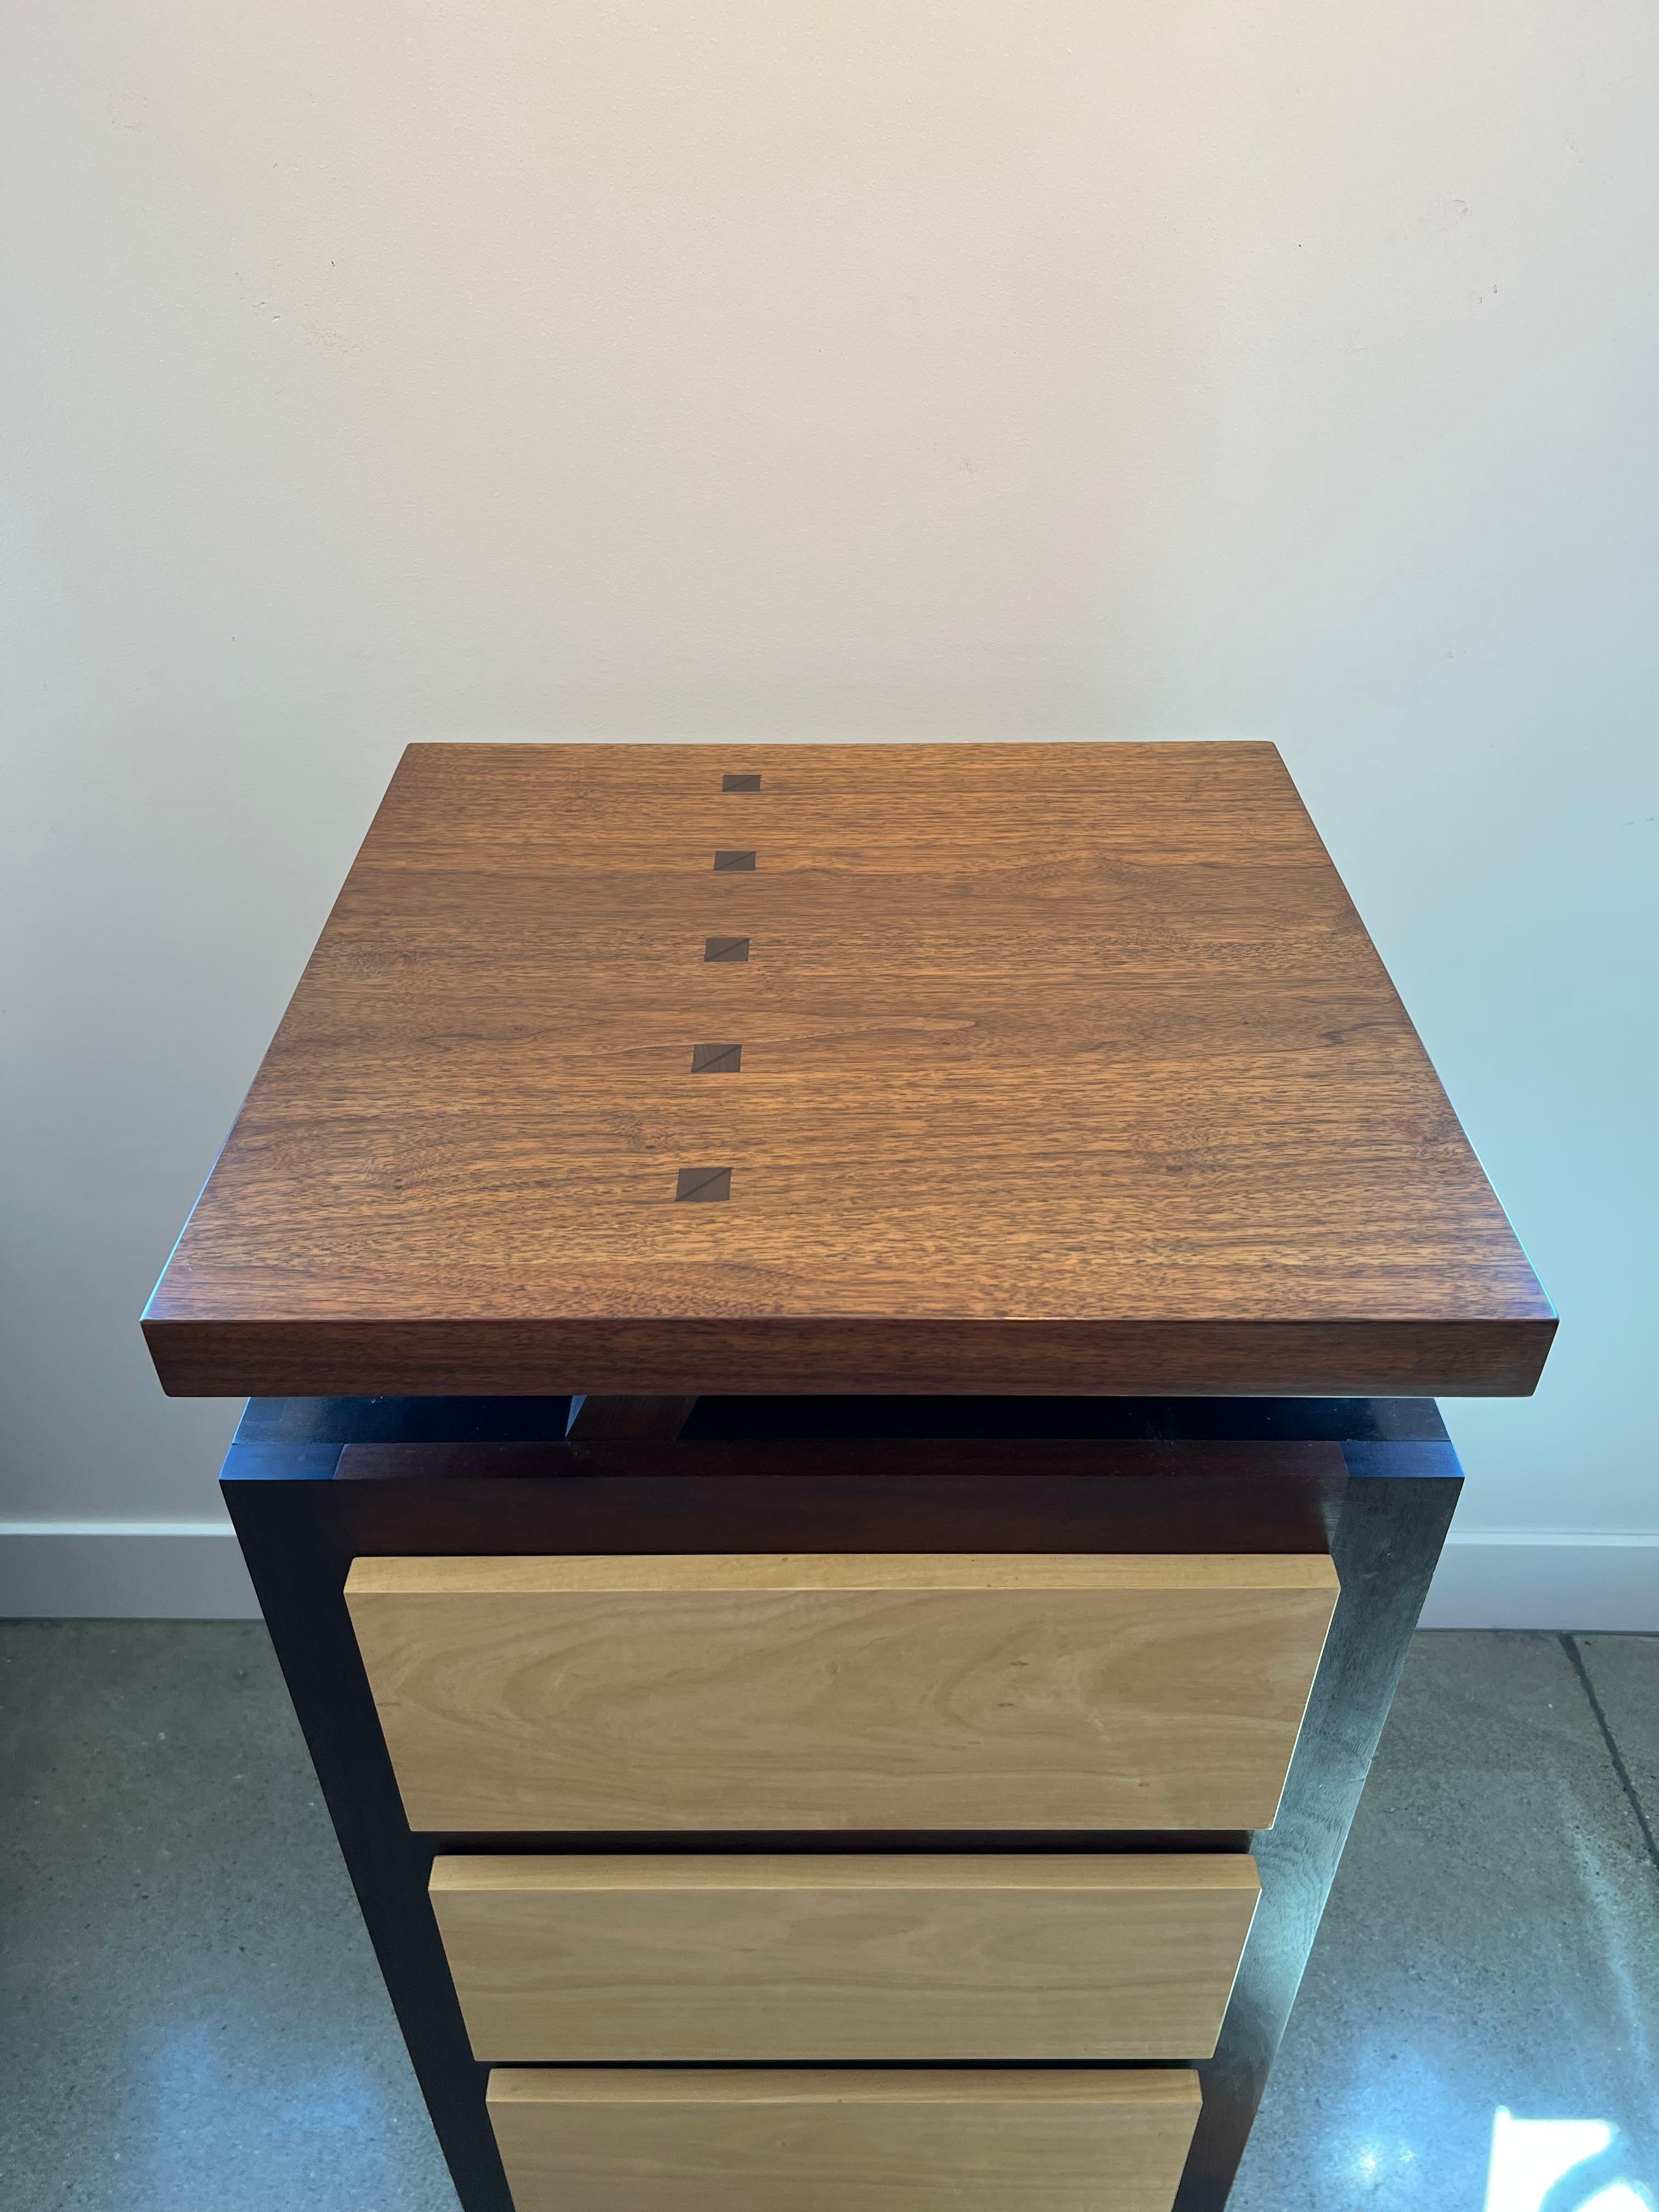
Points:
(818, 1957)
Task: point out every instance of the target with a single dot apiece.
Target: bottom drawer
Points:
(588, 2139)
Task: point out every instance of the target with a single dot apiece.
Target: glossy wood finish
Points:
(638, 1956)
(1064, 1067)
(578, 2140)
(842, 1690)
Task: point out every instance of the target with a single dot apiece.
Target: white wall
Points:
(1003, 368)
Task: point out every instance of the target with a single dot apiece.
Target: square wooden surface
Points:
(981, 1068)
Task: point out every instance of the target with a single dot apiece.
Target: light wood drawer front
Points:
(782, 1957)
(592, 2141)
(758, 1692)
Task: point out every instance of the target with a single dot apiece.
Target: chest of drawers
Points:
(543, 1943)
(841, 1460)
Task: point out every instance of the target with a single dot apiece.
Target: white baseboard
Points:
(1553, 1578)
(122, 1570)
(1557, 1578)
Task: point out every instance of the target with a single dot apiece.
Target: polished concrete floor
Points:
(191, 2019)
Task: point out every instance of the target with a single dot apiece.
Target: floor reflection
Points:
(1560, 2165)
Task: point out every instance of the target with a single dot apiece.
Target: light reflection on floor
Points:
(1530, 2157)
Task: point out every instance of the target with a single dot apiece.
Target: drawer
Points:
(834, 1692)
(589, 2140)
(809, 1957)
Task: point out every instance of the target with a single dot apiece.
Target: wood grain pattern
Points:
(1064, 1068)
(582, 2139)
(632, 1956)
(883, 1692)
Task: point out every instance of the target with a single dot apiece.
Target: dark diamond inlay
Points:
(733, 864)
(739, 783)
(716, 1058)
(725, 948)
(703, 1186)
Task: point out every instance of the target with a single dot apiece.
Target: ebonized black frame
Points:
(313, 1483)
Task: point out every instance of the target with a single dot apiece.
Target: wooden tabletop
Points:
(846, 1069)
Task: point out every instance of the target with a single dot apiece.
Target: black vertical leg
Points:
(290, 1539)
(1386, 1545)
